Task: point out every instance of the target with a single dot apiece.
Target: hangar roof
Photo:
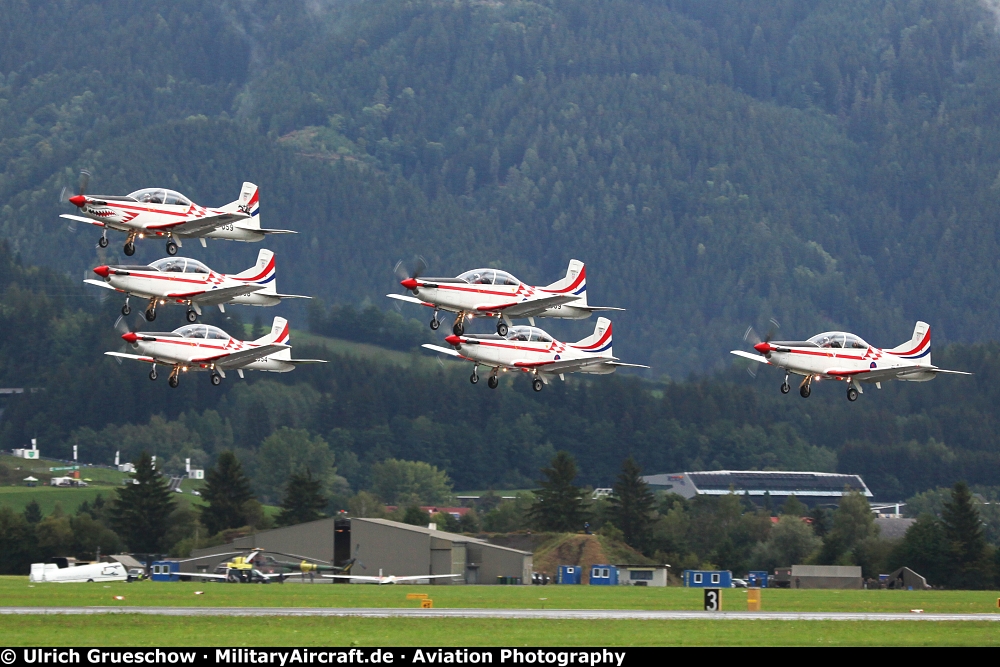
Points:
(757, 483)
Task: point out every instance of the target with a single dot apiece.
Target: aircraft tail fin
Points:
(249, 203)
(575, 282)
(598, 342)
(279, 333)
(264, 272)
(918, 348)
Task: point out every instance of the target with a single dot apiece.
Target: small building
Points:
(166, 570)
(643, 575)
(196, 473)
(66, 481)
(903, 579)
(708, 578)
(757, 579)
(569, 574)
(30, 454)
(811, 488)
(603, 575)
(819, 576)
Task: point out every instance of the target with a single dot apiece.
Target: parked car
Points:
(739, 583)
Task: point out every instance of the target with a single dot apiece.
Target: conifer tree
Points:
(32, 512)
(966, 543)
(632, 505)
(226, 490)
(140, 512)
(559, 504)
(303, 500)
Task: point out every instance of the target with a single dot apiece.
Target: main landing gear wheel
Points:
(152, 374)
(103, 241)
(805, 390)
(785, 388)
(150, 314)
(536, 384)
(458, 329)
(474, 378)
(435, 324)
(171, 248)
(216, 379)
(192, 316)
(493, 382)
(173, 381)
(126, 310)
(502, 328)
(129, 249)
(852, 394)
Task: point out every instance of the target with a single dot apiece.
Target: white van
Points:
(92, 572)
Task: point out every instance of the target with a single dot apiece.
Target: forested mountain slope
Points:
(715, 163)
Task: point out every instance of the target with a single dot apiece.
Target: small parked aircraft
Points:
(837, 355)
(531, 350)
(495, 293)
(200, 347)
(391, 579)
(169, 214)
(191, 283)
(257, 567)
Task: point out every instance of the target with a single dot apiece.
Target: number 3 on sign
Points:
(713, 599)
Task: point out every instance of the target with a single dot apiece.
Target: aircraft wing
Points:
(197, 226)
(217, 296)
(528, 308)
(751, 357)
(243, 357)
(359, 577)
(137, 357)
(203, 575)
(80, 218)
(880, 374)
(417, 577)
(562, 366)
(99, 283)
(408, 299)
(443, 350)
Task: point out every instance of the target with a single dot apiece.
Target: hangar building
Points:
(812, 488)
(395, 548)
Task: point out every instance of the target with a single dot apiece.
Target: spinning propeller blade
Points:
(418, 266)
(84, 181)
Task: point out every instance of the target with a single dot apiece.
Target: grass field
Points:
(17, 497)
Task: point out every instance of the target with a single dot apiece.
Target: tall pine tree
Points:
(632, 505)
(968, 561)
(559, 504)
(303, 500)
(226, 490)
(141, 511)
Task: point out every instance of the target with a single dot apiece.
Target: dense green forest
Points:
(715, 162)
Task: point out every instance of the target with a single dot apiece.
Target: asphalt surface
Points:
(554, 614)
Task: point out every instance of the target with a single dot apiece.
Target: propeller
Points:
(751, 336)
(122, 327)
(417, 266)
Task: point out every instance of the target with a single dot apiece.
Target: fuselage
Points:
(184, 280)
(483, 291)
(200, 347)
(526, 348)
(837, 355)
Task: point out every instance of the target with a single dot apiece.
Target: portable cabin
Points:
(603, 575)
(166, 570)
(708, 578)
(642, 575)
(757, 579)
(569, 574)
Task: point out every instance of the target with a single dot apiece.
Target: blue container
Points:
(603, 575)
(757, 579)
(166, 570)
(569, 574)
(708, 578)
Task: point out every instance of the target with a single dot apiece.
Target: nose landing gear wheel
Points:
(126, 310)
(474, 378)
(493, 382)
(103, 241)
(435, 324)
(152, 374)
(852, 394)
(171, 248)
(216, 379)
(173, 381)
(805, 390)
(150, 314)
(785, 388)
(502, 328)
(192, 316)
(536, 384)
(129, 249)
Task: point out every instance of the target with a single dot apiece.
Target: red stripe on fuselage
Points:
(604, 338)
(267, 269)
(576, 283)
(926, 339)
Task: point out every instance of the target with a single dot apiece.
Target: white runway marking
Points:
(552, 614)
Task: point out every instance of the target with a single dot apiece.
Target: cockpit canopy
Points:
(528, 334)
(202, 331)
(489, 277)
(160, 196)
(839, 339)
(179, 265)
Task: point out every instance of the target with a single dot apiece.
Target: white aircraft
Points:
(63, 573)
(257, 567)
(390, 579)
(191, 283)
(531, 350)
(201, 347)
(837, 355)
(494, 293)
(171, 215)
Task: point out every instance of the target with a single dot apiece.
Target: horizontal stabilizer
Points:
(291, 296)
(599, 309)
(276, 231)
(624, 365)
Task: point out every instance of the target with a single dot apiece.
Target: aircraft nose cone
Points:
(130, 337)
(763, 348)
(102, 271)
(409, 283)
(78, 200)
(452, 339)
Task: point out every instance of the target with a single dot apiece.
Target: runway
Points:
(547, 614)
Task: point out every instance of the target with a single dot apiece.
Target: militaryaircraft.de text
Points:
(200, 347)
(838, 355)
(189, 282)
(531, 350)
(495, 293)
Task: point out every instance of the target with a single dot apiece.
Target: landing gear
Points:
(537, 384)
(474, 378)
(216, 379)
(173, 380)
(150, 314)
(493, 382)
(806, 387)
(129, 248)
(192, 316)
(152, 374)
(171, 248)
(103, 241)
(435, 323)
(126, 309)
(459, 327)
(784, 386)
(852, 394)
(502, 328)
